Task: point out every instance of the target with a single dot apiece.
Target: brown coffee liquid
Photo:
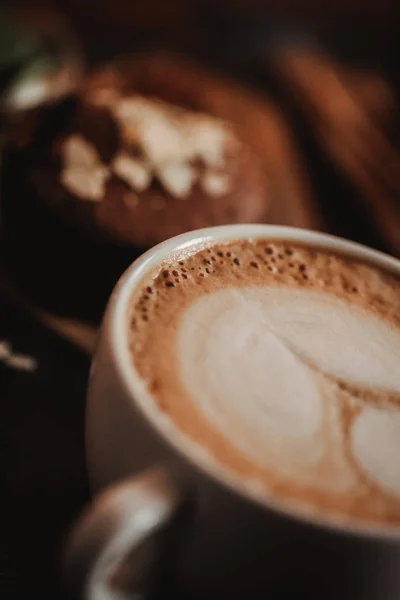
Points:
(280, 361)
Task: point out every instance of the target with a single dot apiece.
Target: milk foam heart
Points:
(338, 339)
(235, 346)
(281, 361)
(248, 383)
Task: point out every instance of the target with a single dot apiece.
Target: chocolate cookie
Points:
(138, 155)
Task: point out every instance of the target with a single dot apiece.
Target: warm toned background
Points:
(328, 72)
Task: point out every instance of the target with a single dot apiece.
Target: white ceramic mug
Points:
(229, 542)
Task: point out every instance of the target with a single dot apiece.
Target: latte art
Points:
(282, 362)
(250, 359)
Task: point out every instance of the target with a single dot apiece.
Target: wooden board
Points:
(354, 114)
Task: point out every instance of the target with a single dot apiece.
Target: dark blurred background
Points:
(328, 71)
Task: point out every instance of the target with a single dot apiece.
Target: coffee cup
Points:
(218, 499)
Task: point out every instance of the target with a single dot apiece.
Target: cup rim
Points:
(115, 323)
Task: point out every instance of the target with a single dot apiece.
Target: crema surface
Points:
(282, 362)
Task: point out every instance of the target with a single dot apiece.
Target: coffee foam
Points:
(281, 361)
(375, 443)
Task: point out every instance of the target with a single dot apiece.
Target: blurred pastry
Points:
(141, 153)
(138, 169)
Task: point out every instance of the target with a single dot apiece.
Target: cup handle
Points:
(117, 548)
